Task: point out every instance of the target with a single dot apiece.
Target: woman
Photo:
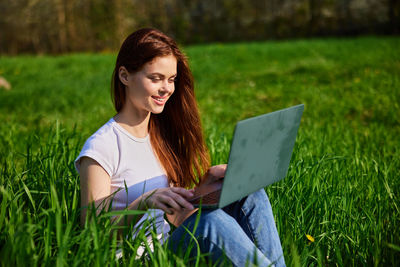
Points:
(153, 149)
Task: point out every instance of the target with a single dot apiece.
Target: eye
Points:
(172, 80)
(155, 78)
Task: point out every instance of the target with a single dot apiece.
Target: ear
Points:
(123, 75)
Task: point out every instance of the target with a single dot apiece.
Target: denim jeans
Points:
(244, 232)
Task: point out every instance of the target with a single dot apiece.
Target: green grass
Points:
(343, 183)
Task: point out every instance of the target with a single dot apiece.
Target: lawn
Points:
(342, 187)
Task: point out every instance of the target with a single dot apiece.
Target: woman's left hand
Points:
(214, 174)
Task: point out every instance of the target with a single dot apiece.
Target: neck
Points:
(136, 123)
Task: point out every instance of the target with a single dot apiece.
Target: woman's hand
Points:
(171, 200)
(214, 174)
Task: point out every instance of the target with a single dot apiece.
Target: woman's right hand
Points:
(169, 199)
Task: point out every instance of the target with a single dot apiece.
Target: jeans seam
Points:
(248, 225)
(215, 244)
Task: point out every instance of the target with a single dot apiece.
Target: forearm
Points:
(120, 221)
(170, 199)
(126, 220)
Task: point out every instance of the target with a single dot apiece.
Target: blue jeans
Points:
(244, 232)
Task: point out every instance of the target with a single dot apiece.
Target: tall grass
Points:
(342, 186)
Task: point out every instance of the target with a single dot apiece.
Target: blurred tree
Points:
(62, 29)
(59, 26)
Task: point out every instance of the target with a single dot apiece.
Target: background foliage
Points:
(342, 186)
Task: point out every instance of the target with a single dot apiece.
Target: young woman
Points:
(152, 151)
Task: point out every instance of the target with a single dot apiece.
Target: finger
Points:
(219, 170)
(182, 191)
(183, 203)
(170, 202)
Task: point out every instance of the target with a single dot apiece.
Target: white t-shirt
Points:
(129, 161)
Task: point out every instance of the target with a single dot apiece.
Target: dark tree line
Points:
(58, 26)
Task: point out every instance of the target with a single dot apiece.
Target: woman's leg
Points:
(254, 214)
(218, 234)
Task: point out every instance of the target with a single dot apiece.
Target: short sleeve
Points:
(101, 149)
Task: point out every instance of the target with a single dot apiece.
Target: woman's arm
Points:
(96, 187)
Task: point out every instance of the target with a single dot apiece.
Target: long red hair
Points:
(176, 133)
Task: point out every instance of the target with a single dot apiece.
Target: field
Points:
(342, 188)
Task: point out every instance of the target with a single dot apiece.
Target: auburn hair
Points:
(176, 133)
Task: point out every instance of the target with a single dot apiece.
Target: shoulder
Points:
(102, 147)
(106, 137)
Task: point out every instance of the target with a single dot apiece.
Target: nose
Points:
(167, 87)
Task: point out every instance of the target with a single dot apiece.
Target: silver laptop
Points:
(260, 155)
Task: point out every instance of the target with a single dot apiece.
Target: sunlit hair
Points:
(176, 134)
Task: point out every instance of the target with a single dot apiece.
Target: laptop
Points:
(260, 155)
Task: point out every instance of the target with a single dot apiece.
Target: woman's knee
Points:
(258, 197)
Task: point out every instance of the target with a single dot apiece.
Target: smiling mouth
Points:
(159, 100)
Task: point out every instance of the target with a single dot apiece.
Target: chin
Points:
(157, 111)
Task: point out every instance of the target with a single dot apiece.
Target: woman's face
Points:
(149, 89)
